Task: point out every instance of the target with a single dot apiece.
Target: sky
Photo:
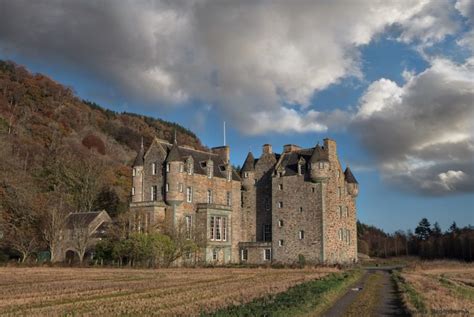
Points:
(391, 81)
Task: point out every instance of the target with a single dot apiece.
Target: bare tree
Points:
(81, 237)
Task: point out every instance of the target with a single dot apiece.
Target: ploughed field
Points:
(108, 291)
(440, 288)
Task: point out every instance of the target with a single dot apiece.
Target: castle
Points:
(280, 208)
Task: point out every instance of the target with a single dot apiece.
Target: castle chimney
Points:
(290, 148)
(223, 152)
(330, 148)
(267, 149)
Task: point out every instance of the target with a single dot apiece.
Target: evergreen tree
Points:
(423, 231)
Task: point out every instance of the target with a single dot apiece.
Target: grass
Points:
(466, 292)
(306, 299)
(366, 301)
(411, 298)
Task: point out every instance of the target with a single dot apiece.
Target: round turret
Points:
(248, 172)
(174, 177)
(319, 164)
(352, 184)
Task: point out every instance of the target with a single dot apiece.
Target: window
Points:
(212, 228)
(267, 232)
(134, 172)
(280, 223)
(180, 187)
(181, 168)
(133, 191)
(246, 175)
(153, 169)
(321, 165)
(267, 203)
(224, 228)
(280, 187)
(301, 234)
(280, 204)
(313, 189)
(280, 243)
(189, 223)
(244, 254)
(214, 254)
(346, 211)
(348, 237)
(190, 167)
(229, 198)
(338, 173)
(241, 199)
(340, 211)
(340, 234)
(339, 192)
(189, 194)
(154, 193)
(209, 196)
(167, 187)
(218, 228)
(210, 171)
(301, 209)
(167, 167)
(267, 254)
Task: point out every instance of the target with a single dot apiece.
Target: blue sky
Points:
(385, 88)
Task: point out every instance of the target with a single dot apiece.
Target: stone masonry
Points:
(282, 208)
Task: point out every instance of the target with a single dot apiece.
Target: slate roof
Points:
(349, 176)
(174, 154)
(198, 158)
(249, 164)
(289, 161)
(139, 160)
(81, 219)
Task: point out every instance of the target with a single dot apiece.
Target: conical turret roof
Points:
(139, 160)
(249, 163)
(318, 154)
(174, 155)
(349, 176)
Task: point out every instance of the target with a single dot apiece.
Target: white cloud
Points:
(422, 133)
(240, 56)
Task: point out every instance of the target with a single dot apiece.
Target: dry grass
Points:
(91, 291)
(444, 287)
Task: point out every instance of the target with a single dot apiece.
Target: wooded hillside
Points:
(60, 154)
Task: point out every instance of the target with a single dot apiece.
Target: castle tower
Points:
(174, 186)
(248, 172)
(137, 176)
(319, 164)
(352, 184)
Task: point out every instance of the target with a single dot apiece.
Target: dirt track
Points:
(386, 303)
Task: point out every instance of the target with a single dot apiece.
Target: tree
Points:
(81, 237)
(423, 231)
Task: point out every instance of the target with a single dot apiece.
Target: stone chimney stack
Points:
(290, 148)
(330, 148)
(267, 149)
(223, 152)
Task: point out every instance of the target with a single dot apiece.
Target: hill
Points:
(45, 128)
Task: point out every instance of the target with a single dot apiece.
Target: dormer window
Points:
(153, 168)
(321, 165)
(181, 168)
(246, 175)
(190, 166)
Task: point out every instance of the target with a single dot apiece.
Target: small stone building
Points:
(282, 208)
(81, 233)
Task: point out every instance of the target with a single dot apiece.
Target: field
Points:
(105, 291)
(439, 288)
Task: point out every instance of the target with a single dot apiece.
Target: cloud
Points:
(242, 57)
(422, 133)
